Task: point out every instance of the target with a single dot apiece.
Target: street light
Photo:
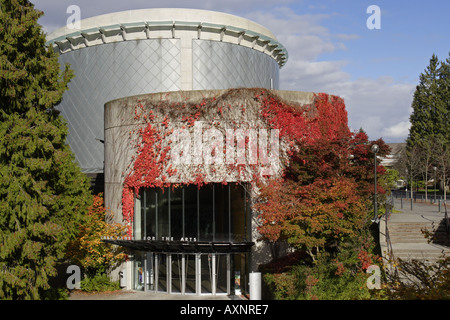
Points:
(406, 189)
(434, 168)
(375, 148)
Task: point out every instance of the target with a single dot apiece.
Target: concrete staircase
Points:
(406, 231)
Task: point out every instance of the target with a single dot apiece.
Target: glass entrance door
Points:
(161, 267)
(206, 273)
(149, 270)
(190, 278)
(222, 273)
(177, 280)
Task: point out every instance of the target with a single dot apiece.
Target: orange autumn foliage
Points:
(88, 250)
(322, 199)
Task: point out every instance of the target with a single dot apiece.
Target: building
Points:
(159, 99)
(157, 50)
(390, 160)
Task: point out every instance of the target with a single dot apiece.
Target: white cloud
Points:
(346, 37)
(378, 106)
(398, 130)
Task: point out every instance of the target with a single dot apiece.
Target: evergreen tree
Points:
(43, 193)
(424, 103)
(430, 121)
(431, 103)
(444, 93)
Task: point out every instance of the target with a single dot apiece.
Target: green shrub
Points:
(331, 286)
(99, 283)
(55, 294)
(339, 275)
(281, 286)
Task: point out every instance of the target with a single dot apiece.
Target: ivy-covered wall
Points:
(194, 137)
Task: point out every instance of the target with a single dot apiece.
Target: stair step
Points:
(418, 256)
(428, 252)
(416, 227)
(400, 240)
(407, 234)
(423, 259)
(415, 224)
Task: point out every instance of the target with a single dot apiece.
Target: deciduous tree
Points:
(88, 250)
(324, 196)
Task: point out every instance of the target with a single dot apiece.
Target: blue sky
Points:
(411, 32)
(330, 48)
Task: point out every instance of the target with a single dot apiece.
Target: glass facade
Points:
(213, 213)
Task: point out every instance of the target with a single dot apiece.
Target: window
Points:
(213, 212)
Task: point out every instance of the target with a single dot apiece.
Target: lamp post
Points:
(406, 189)
(375, 148)
(434, 168)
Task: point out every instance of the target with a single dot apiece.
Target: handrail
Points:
(389, 205)
(417, 196)
(447, 225)
(390, 259)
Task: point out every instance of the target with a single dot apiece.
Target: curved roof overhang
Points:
(150, 24)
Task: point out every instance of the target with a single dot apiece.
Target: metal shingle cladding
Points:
(107, 72)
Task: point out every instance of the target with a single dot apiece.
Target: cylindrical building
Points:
(156, 50)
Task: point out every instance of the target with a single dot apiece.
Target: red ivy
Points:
(324, 119)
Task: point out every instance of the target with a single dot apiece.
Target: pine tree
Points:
(444, 93)
(430, 121)
(425, 103)
(431, 103)
(43, 193)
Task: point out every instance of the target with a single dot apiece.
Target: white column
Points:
(213, 274)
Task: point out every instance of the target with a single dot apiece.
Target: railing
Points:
(417, 196)
(389, 260)
(389, 205)
(447, 223)
(420, 197)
